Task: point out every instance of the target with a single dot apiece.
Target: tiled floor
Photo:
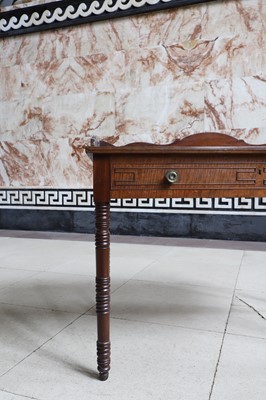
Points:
(188, 319)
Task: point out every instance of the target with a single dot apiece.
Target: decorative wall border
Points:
(66, 13)
(82, 200)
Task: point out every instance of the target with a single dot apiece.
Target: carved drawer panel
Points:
(198, 175)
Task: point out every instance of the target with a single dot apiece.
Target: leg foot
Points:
(103, 359)
(103, 377)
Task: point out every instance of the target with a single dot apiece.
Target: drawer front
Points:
(188, 175)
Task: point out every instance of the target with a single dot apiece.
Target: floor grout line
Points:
(250, 291)
(245, 336)
(10, 285)
(182, 284)
(169, 325)
(44, 308)
(46, 341)
(20, 395)
(252, 308)
(225, 331)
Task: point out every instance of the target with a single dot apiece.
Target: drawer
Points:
(215, 175)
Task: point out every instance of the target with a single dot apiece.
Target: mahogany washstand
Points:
(200, 165)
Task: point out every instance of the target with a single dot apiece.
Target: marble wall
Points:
(152, 78)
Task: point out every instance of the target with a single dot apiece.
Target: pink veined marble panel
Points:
(154, 78)
(21, 119)
(159, 114)
(58, 163)
(198, 60)
(253, 135)
(169, 27)
(104, 37)
(79, 115)
(59, 116)
(218, 58)
(10, 83)
(229, 18)
(149, 67)
(236, 103)
(96, 73)
(109, 36)
(19, 50)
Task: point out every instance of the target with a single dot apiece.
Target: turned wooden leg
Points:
(102, 243)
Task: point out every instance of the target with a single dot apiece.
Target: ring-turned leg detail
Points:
(102, 243)
(103, 295)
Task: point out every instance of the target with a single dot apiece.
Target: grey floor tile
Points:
(11, 396)
(122, 268)
(9, 246)
(242, 370)
(53, 291)
(2, 237)
(195, 266)
(253, 271)
(41, 254)
(195, 307)
(9, 277)
(148, 362)
(170, 302)
(248, 314)
(24, 329)
(138, 250)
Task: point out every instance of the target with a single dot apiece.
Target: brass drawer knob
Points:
(171, 176)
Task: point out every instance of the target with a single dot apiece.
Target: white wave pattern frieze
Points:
(83, 10)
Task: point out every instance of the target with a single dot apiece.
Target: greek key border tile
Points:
(82, 200)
